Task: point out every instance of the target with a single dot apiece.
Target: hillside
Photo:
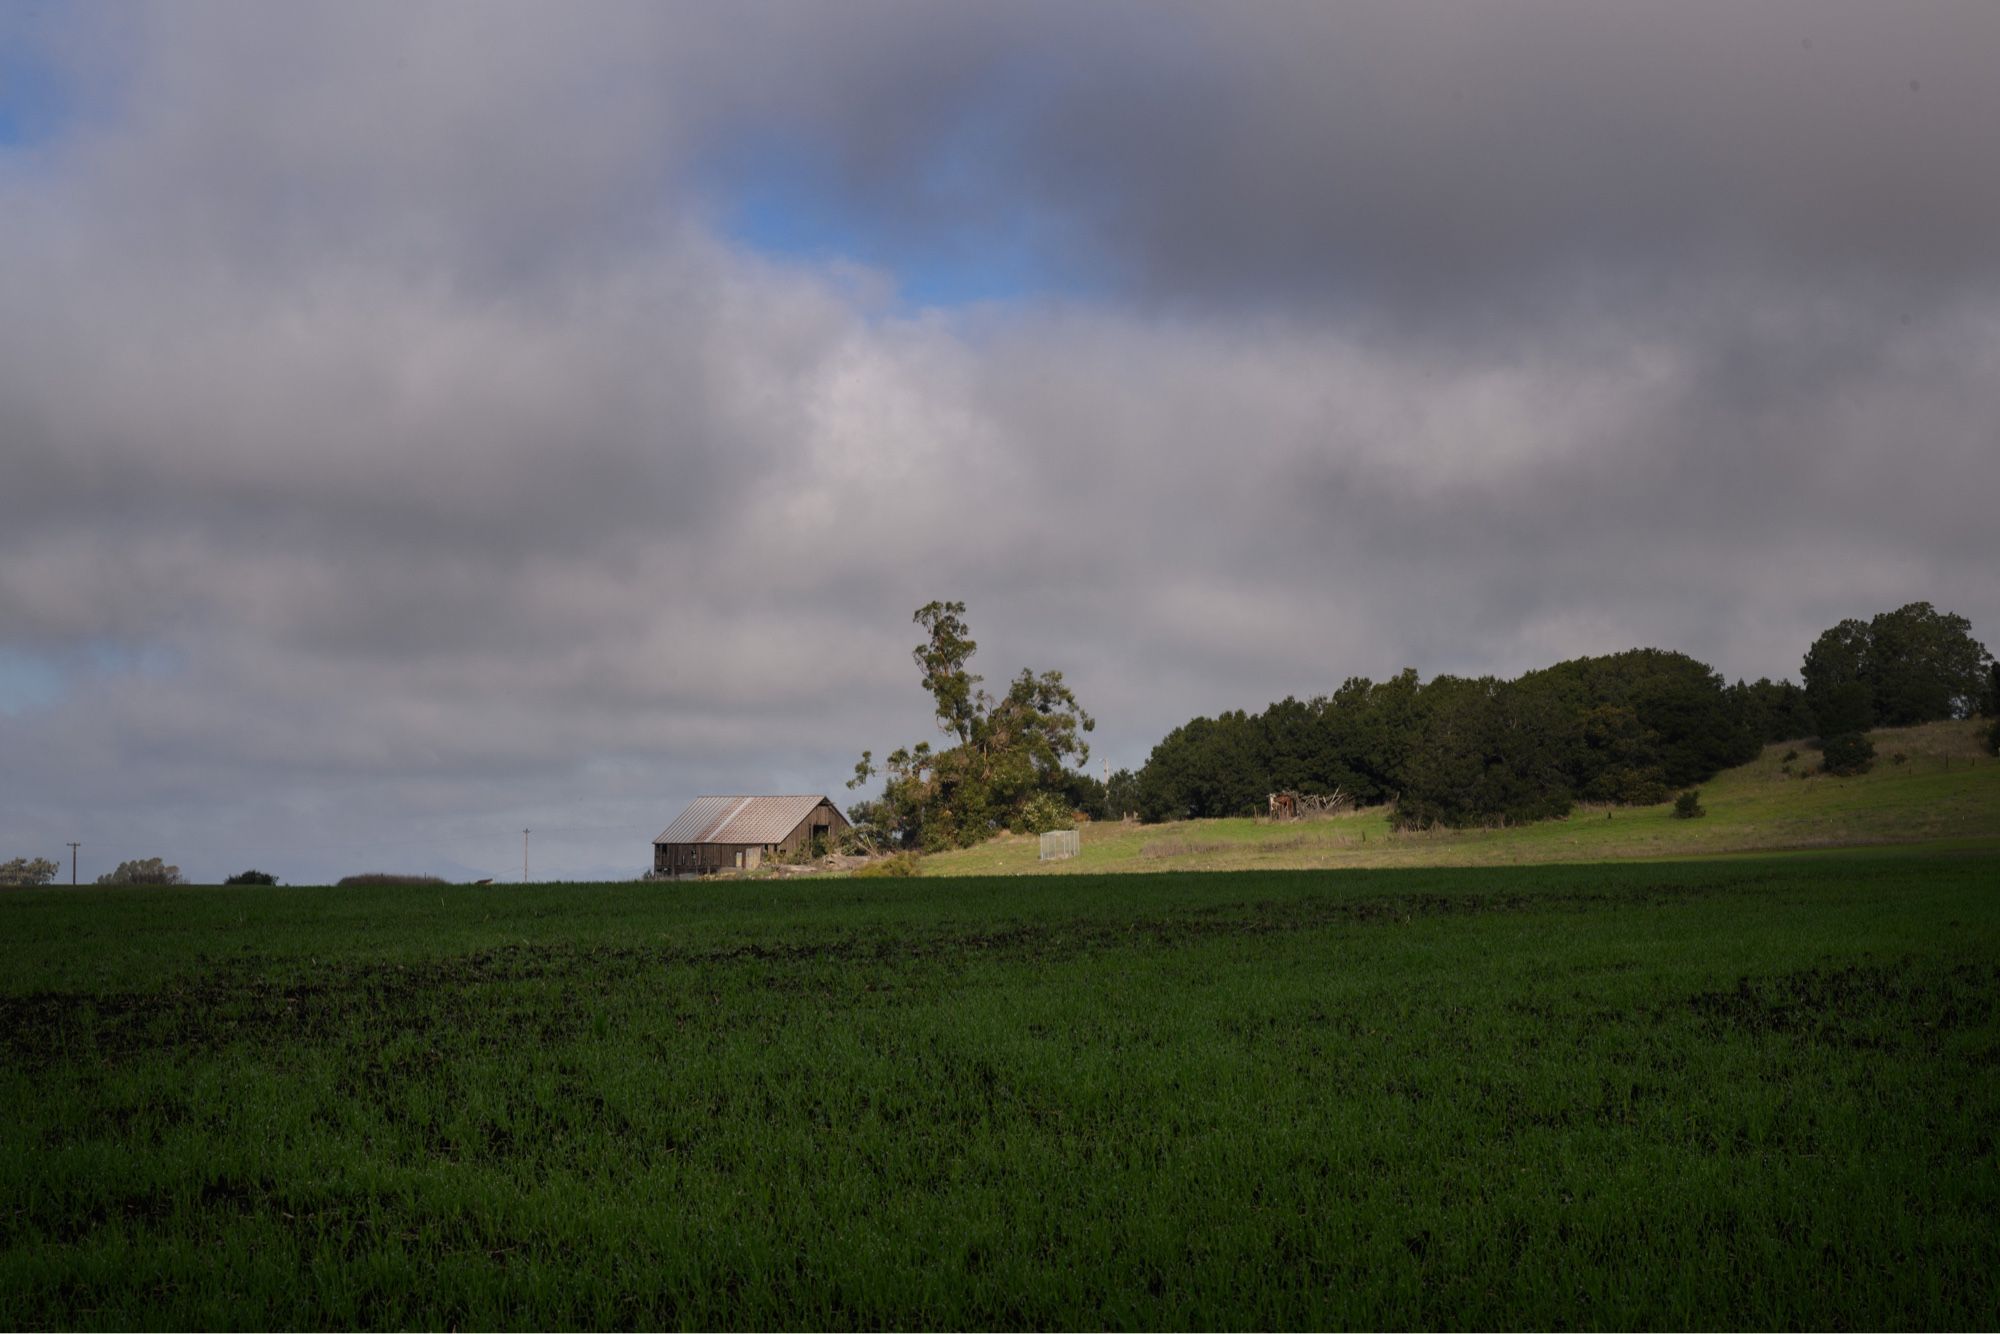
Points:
(1944, 789)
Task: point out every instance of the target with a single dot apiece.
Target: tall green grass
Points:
(1727, 1093)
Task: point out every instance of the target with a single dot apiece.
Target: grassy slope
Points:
(1737, 1093)
(1946, 790)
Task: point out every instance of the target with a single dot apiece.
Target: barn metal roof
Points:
(740, 819)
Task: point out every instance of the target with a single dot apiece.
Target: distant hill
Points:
(1933, 785)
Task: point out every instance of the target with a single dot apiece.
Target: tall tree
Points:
(1915, 664)
(1925, 665)
(942, 659)
(1835, 673)
(1009, 751)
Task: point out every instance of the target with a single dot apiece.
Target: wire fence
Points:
(1058, 844)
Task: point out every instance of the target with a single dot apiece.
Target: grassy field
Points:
(1945, 788)
(1739, 1092)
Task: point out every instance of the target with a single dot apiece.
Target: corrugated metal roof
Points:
(702, 814)
(740, 819)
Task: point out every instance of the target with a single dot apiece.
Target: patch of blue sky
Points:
(786, 214)
(111, 658)
(954, 230)
(29, 682)
(34, 106)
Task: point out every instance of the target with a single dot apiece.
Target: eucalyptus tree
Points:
(1008, 757)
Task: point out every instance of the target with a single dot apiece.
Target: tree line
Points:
(24, 871)
(1627, 728)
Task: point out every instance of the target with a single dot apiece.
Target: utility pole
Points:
(72, 864)
(524, 856)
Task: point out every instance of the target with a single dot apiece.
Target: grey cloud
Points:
(1529, 153)
(1448, 155)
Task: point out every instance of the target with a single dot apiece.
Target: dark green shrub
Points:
(1848, 754)
(1687, 806)
(148, 871)
(389, 878)
(902, 864)
(252, 877)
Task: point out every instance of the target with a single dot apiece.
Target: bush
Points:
(21, 871)
(1993, 738)
(389, 878)
(902, 864)
(1041, 813)
(1848, 754)
(940, 833)
(151, 871)
(252, 877)
(1687, 806)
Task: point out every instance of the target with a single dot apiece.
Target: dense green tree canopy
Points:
(1912, 665)
(1629, 727)
(1775, 710)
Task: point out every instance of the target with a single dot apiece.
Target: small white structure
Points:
(1058, 844)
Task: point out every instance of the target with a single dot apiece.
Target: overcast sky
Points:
(420, 422)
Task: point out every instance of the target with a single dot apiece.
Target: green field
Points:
(1944, 788)
(1737, 1092)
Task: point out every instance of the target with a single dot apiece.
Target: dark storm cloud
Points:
(397, 453)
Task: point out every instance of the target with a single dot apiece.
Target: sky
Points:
(421, 422)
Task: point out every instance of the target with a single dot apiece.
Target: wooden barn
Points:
(718, 833)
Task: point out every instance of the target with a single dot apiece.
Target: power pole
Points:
(524, 856)
(72, 864)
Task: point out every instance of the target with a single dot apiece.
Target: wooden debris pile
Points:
(1291, 805)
